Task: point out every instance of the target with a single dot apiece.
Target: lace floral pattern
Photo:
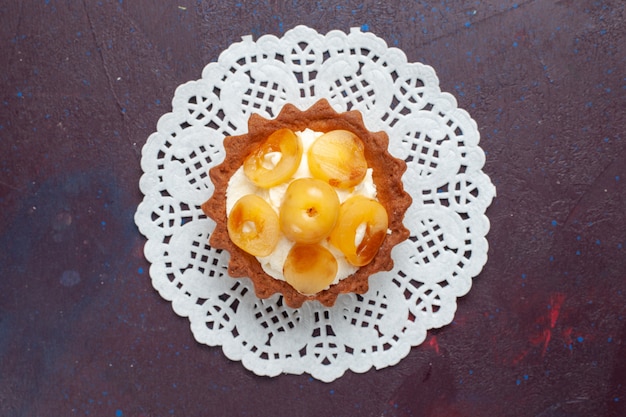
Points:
(436, 265)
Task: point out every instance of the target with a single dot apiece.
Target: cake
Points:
(359, 205)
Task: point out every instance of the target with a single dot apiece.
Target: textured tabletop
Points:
(83, 331)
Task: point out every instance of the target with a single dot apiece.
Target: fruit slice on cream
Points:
(323, 223)
(253, 225)
(275, 161)
(360, 230)
(337, 157)
(309, 210)
(310, 268)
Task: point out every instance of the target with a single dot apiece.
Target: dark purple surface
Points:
(82, 332)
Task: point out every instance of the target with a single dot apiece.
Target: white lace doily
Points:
(439, 141)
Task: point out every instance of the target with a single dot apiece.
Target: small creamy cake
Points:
(308, 204)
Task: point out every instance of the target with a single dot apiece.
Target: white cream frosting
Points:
(239, 185)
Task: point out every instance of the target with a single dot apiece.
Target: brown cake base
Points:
(387, 173)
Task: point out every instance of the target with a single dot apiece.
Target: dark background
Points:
(82, 332)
